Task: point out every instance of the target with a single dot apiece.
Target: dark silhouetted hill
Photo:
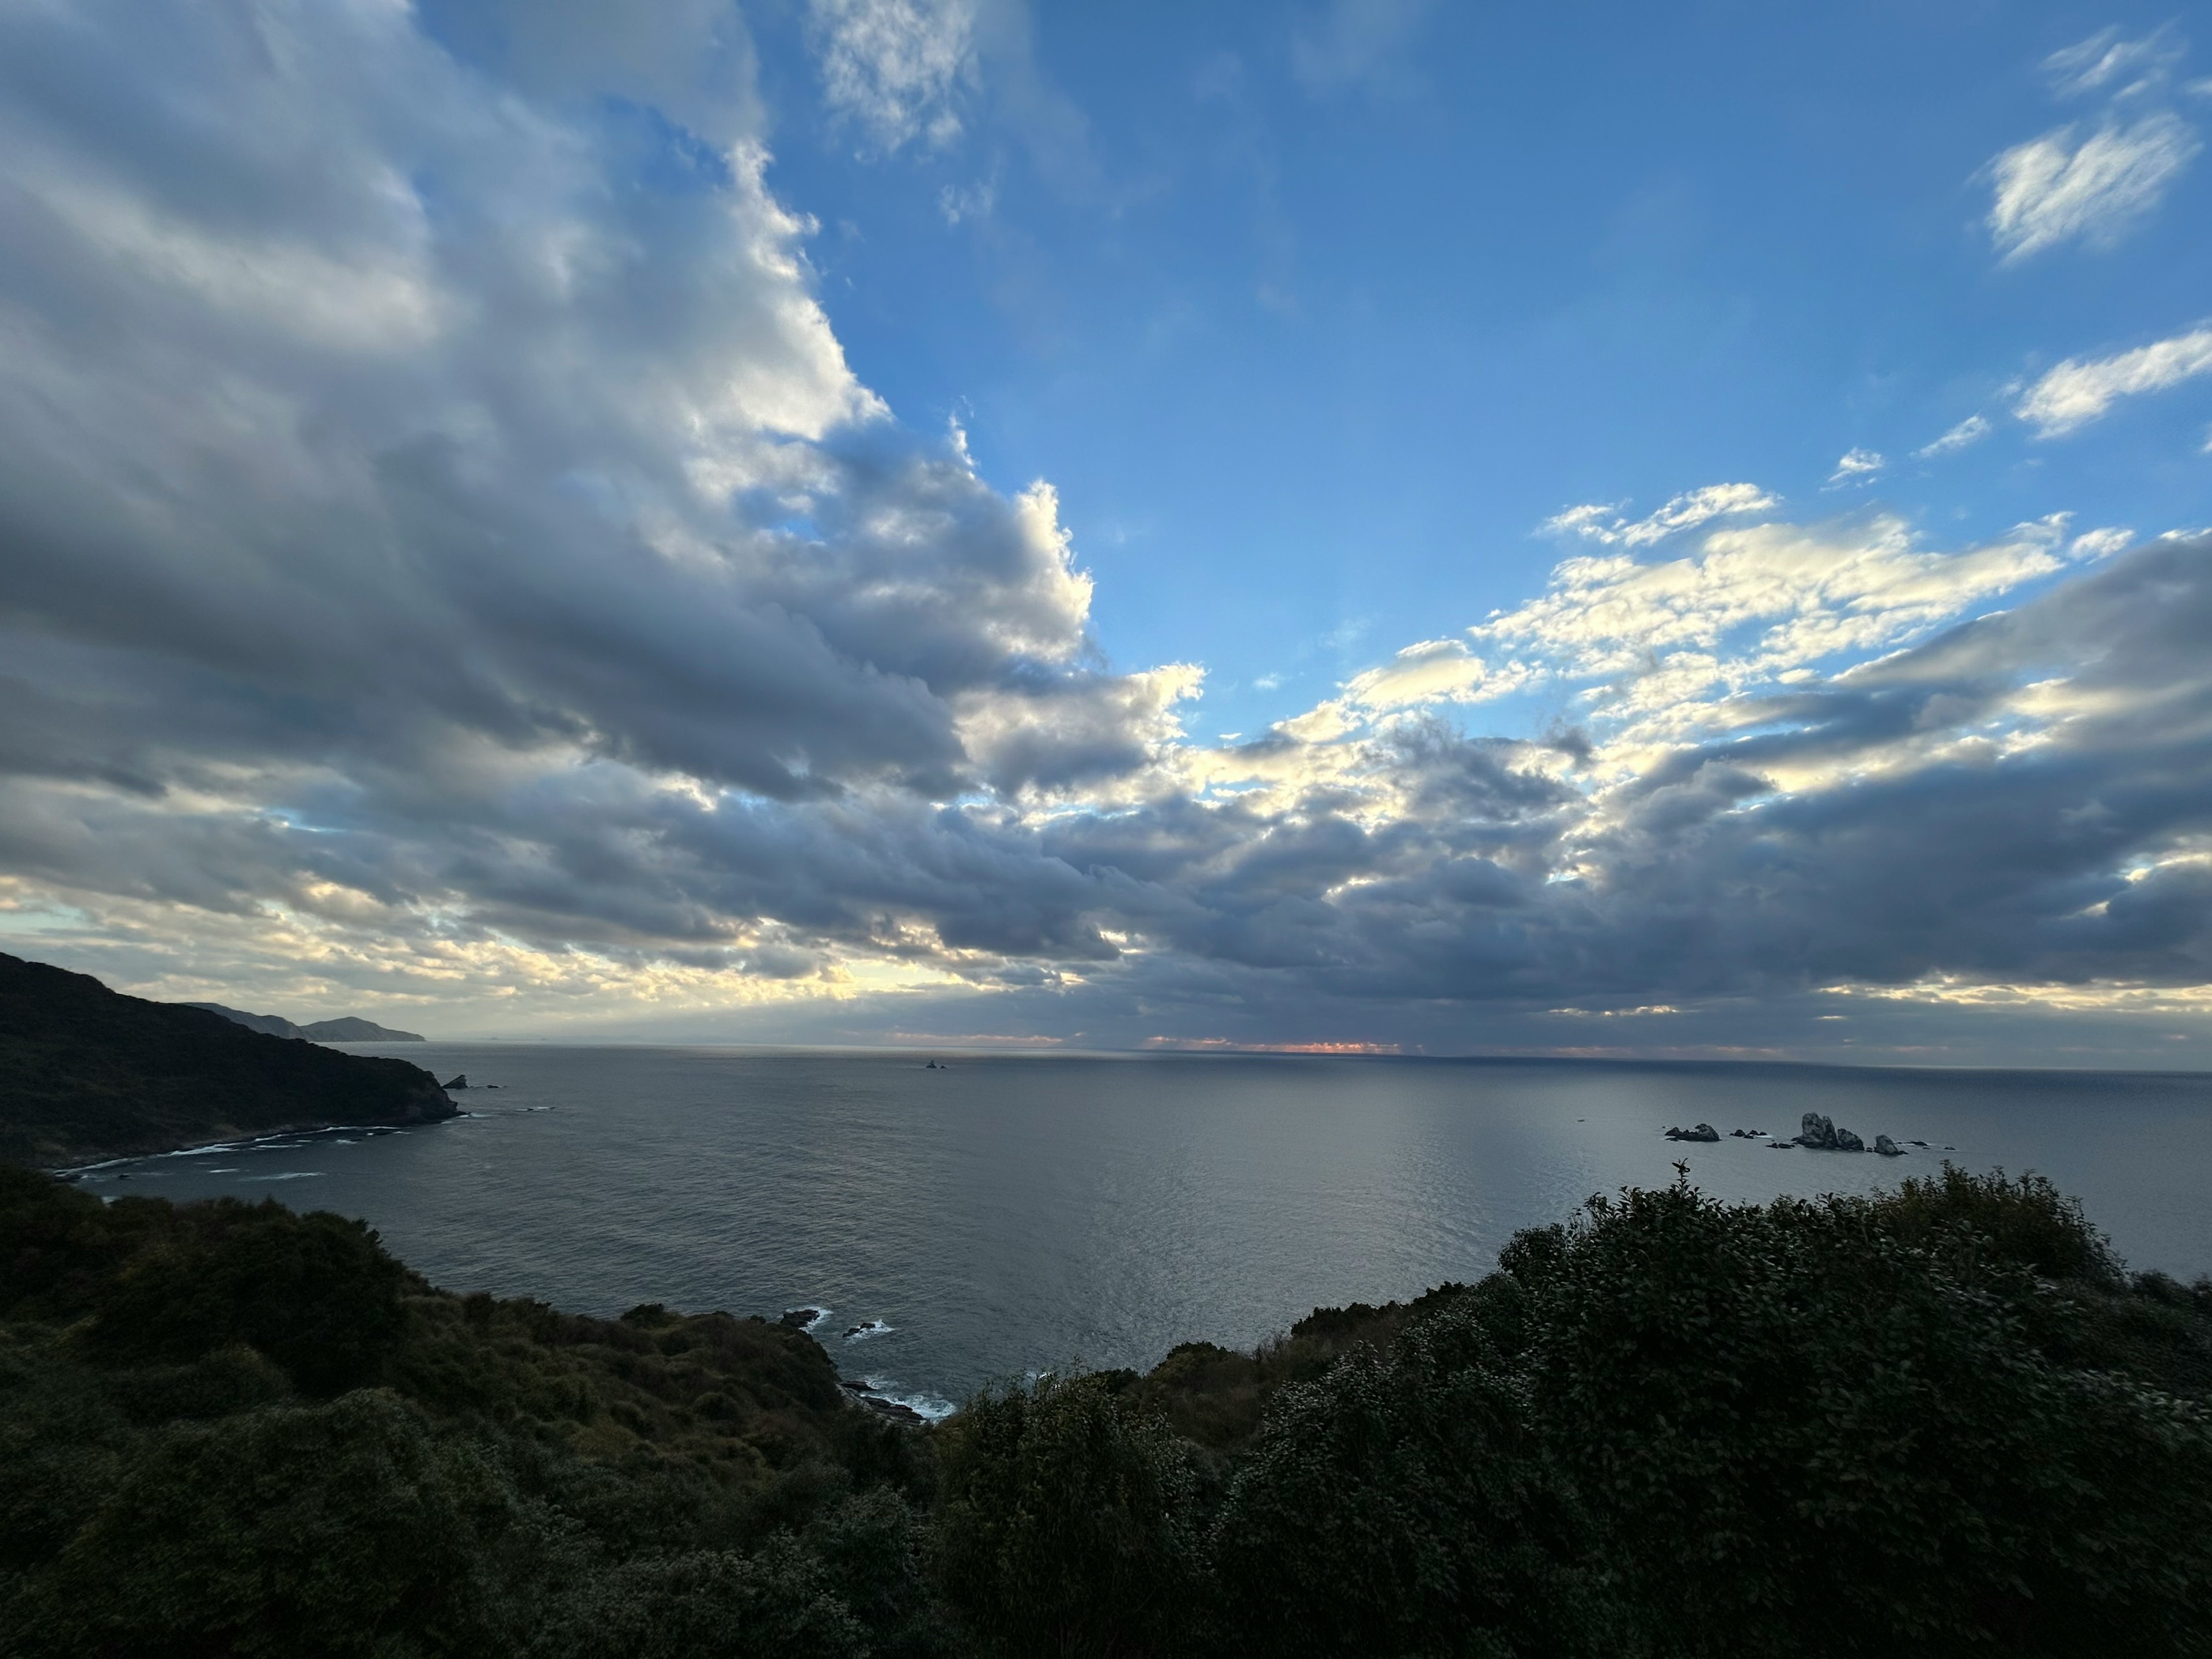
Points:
(87, 1074)
(346, 1029)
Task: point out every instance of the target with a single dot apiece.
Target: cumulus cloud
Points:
(410, 523)
(1968, 432)
(2095, 188)
(2023, 798)
(2076, 392)
(1598, 523)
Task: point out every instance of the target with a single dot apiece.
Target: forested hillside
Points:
(86, 1073)
(1941, 1422)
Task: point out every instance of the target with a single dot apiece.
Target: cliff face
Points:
(87, 1074)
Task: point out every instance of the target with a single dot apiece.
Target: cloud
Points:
(1758, 602)
(2062, 185)
(1432, 673)
(1364, 43)
(413, 526)
(897, 68)
(2107, 61)
(1972, 430)
(1599, 522)
(973, 201)
(1857, 464)
(2076, 392)
(559, 631)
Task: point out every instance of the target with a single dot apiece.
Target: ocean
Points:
(1011, 1212)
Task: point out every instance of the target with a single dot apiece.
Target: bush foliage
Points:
(1943, 1421)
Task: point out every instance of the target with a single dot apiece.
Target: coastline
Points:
(239, 1142)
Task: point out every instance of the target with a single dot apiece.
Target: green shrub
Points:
(316, 1293)
(716, 1604)
(1824, 1427)
(1067, 1521)
(1406, 1503)
(335, 1530)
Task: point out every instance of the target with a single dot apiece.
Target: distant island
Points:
(89, 1073)
(346, 1029)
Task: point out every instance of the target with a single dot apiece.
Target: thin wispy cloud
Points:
(1967, 433)
(2077, 391)
(1856, 466)
(2067, 185)
(1596, 522)
(2108, 62)
(897, 68)
(1360, 43)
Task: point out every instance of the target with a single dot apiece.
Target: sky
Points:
(1364, 525)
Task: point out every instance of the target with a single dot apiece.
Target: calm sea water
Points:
(1010, 1212)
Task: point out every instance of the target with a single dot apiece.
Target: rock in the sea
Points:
(1887, 1148)
(1819, 1132)
(1703, 1132)
(460, 1081)
(892, 1408)
(799, 1318)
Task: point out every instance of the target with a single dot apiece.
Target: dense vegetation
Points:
(86, 1073)
(1941, 1422)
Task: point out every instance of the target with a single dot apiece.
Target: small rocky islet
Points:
(1816, 1131)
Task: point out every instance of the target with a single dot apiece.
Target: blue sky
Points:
(1366, 523)
(1314, 317)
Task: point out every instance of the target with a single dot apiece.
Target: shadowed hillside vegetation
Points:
(1946, 1421)
(86, 1073)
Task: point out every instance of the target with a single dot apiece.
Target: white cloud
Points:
(1430, 672)
(2052, 189)
(1857, 464)
(897, 67)
(2101, 543)
(2105, 62)
(1972, 430)
(1754, 603)
(1688, 511)
(2075, 392)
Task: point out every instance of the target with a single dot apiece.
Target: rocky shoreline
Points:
(858, 1390)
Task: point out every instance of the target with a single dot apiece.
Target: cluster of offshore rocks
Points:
(1815, 1131)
